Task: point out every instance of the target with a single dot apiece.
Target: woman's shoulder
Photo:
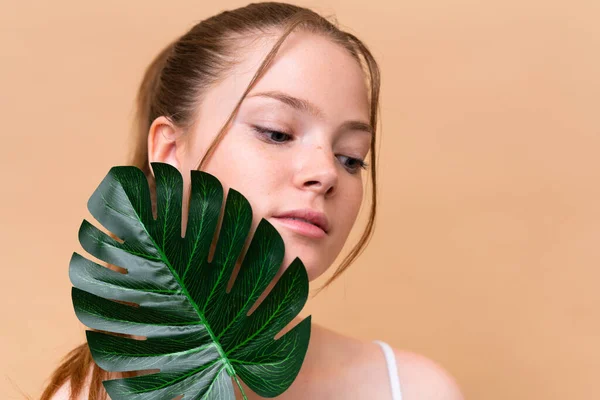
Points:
(419, 377)
(423, 378)
(357, 366)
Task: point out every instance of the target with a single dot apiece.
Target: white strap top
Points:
(392, 369)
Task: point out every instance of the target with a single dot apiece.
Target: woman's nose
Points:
(317, 171)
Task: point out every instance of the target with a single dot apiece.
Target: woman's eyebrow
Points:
(310, 108)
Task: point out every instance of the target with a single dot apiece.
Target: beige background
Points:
(486, 254)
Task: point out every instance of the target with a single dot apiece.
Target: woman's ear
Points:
(162, 143)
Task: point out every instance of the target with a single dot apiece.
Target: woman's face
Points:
(311, 166)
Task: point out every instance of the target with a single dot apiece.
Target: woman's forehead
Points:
(321, 73)
(310, 67)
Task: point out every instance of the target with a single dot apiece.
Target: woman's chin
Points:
(313, 269)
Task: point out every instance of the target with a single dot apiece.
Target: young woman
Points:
(275, 101)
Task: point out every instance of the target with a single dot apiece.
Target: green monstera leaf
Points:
(198, 335)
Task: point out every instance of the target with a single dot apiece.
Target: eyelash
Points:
(265, 132)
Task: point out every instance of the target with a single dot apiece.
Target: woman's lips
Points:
(302, 227)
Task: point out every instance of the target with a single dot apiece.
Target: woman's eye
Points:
(355, 164)
(273, 136)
